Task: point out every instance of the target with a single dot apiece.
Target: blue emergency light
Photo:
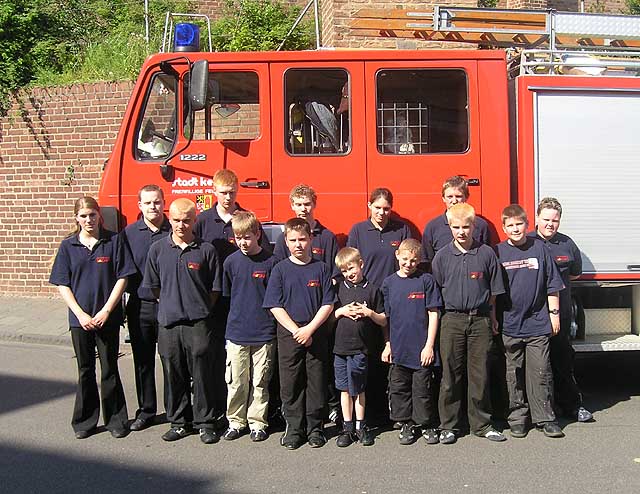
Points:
(187, 37)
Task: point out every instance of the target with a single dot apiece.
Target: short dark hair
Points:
(381, 192)
(514, 211)
(298, 225)
(150, 188)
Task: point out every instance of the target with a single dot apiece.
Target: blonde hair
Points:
(225, 178)
(297, 225)
(410, 245)
(514, 211)
(549, 203)
(303, 190)
(84, 202)
(346, 256)
(183, 205)
(461, 212)
(243, 222)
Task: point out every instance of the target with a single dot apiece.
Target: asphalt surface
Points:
(38, 451)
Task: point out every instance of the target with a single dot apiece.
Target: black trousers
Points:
(219, 325)
(86, 410)
(187, 354)
(566, 391)
(465, 342)
(142, 321)
(333, 395)
(411, 395)
(377, 412)
(303, 381)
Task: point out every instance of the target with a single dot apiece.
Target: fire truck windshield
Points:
(157, 124)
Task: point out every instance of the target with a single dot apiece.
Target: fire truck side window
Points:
(233, 108)
(157, 127)
(317, 111)
(422, 111)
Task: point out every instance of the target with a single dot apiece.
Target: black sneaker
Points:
(317, 439)
(231, 434)
(140, 424)
(519, 430)
(176, 433)
(365, 436)
(345, 439)
(550, 429)
(494, 435)
(291, 442)
(119, 433)
(431, 436)
(407, 434)
(209, 436)
(334, 416)
(85, 434)
(447, 437)
(258, 435)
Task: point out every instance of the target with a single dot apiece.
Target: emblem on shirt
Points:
(259, 274)
(317, 251)
(562, 258)
(102, 260)
(313, 283)
(476, 275)
(531, 263)
(204, 202)
(193, 265)
(394, 243)
(414, 295)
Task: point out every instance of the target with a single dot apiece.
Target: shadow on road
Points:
(19, 392)
(30, 470)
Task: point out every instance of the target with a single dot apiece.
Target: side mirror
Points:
(199, 81)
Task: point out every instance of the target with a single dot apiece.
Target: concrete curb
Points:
(42, 339)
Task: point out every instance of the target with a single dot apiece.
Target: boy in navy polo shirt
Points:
(568, 259)
(214, 226)
(437, 233)
(411, 303)
(360, 312)
(301, 297)
(251, 330)
(469, 276)
(184, 273)
(531, 315)
(142, 307)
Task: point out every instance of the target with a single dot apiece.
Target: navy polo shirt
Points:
(185, 278)
(300, 289)
(467, 280)
(92, 274)
(138, 237)
(324, 247)
(406, 301)
(437, 235)
(531, 275)
(213, 229)
(568, 260)
(245, 280)
(353, 337)
(378, 248)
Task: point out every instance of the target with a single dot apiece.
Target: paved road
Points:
(38, 452)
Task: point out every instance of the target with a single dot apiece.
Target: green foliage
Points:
(48, 42)
(633, 7)
(260, 25)
(490, 4)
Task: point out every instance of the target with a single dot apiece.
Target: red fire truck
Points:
(544, 121)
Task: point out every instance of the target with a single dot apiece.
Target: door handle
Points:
(255, 184)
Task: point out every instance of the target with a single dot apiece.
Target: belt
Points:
(472, 312)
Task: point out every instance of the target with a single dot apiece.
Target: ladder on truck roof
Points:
(547, 40)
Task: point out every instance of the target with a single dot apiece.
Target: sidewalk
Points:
(34, 320)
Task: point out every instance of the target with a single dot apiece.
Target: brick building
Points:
(55, 141)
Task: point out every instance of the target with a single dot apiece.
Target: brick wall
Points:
(53, 145)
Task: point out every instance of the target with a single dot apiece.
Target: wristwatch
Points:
(555, 312)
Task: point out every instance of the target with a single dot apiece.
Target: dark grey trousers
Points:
(529, 379)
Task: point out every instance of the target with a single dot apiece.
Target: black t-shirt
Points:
(354, 337)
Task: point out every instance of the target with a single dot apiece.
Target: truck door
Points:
(231, 132)
(425, 130)
(318, 127)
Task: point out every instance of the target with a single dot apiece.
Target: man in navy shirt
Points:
(411, 303)
(142, 307)
(214, 226)
(469, 275)
(531, 315)
(184, 274)
(567, 257)
(251, 330)
(437, 233)
(300, 295)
